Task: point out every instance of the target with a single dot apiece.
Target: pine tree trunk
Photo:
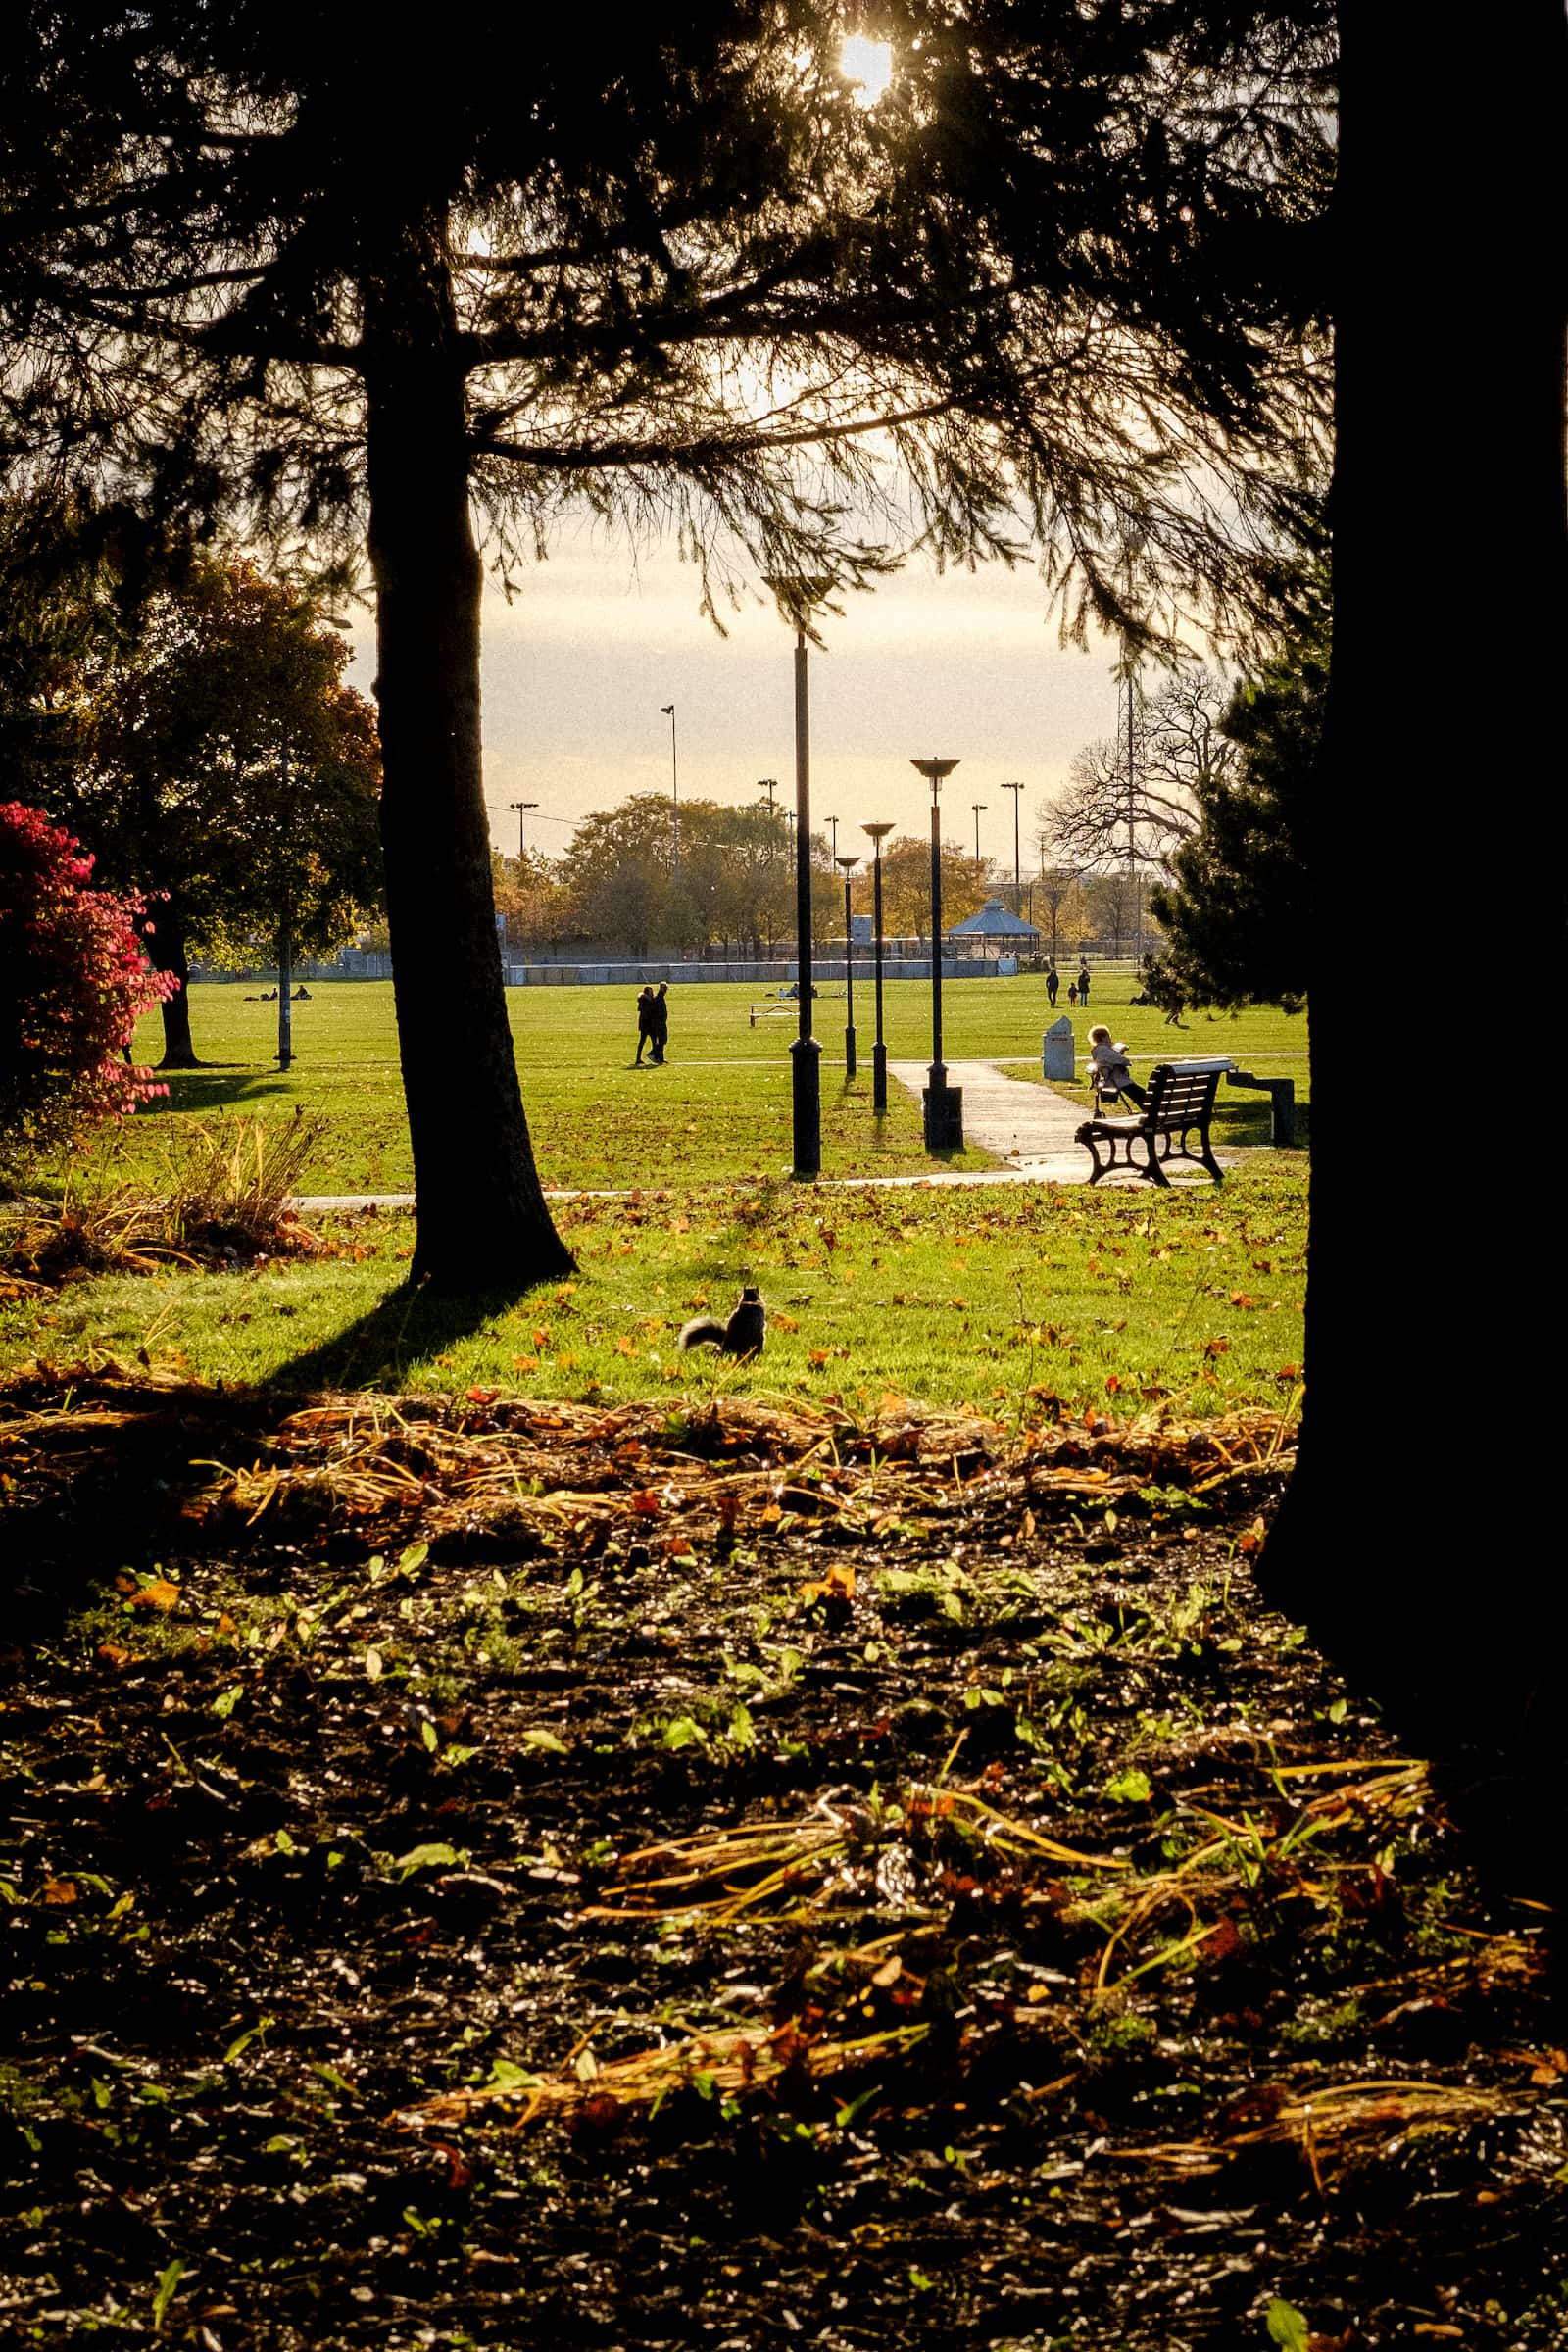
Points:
(165, 942)
(1419, 1541)
(482, 1215)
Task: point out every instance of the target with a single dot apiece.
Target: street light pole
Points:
(796, 593)
(1017, 876)
(979, 808)
(285, 950)
(668, 710)
(879, 1052)
(848, 865)
(834, 822)
(944, 1104)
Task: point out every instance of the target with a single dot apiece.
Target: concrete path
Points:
(1028, 1125)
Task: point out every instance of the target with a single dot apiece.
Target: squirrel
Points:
(742, 1335)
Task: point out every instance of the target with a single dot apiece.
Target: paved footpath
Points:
(1027, 1125)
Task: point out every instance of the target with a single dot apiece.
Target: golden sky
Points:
(968, 664)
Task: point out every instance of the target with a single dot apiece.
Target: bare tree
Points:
(1053, 892)
(1132, 802)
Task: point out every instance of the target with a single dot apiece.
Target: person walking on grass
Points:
(1083, 984)
(1053, 983)
(659, 1013)
(645, 1024)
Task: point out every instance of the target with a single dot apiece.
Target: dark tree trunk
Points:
(1419, 1539)
(163, 938)
(482, 1215)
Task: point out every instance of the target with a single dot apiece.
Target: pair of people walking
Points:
(652, 1023)
(1078, 990)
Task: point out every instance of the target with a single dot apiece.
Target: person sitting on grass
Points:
(1108, 1062)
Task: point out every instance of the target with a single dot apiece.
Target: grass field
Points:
(1026, 1303)
(719, 1109)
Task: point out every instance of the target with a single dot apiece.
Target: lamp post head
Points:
(848, 865)
(934, 771)
(668, 710)
(878, 835)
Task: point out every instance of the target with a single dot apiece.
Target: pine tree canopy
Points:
(1058, 282)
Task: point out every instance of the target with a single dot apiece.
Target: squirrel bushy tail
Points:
(742, 1335)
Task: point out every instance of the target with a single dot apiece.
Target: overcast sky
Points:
(967, 665)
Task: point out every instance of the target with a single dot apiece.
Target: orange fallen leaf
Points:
(836, 1587)
(58, 1890)
(157, 1593)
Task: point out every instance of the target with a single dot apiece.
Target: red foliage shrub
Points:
(72, 983)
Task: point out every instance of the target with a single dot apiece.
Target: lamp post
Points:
(668, 710)
(285, 946)
(944, 1104)
(979, 808)
(879, 1052)
(849, 866)
(834, 851)
(796, 593)
(1017, 877)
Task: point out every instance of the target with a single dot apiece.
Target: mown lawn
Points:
(1025, 1301)
(720, 1108)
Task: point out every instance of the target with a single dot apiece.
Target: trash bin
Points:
(1057, 1059)
(943, 1106)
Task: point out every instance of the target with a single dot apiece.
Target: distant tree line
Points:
(730, 891)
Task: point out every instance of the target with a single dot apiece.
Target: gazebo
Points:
(991, 926)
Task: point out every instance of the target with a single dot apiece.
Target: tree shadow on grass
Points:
(216, 1086)
(411, 1323)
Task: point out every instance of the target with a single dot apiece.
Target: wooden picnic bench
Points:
(1180, 1104)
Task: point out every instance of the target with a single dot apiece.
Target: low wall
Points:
(769, 974)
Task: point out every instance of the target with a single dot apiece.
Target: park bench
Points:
(1180, 1104)
(787, 1001)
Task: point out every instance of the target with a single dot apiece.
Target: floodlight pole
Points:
(979, 808)
(668, 711)
(944, 1104)
(1017, 876)
(517, 808)
(848, 865)
(879, 1052)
